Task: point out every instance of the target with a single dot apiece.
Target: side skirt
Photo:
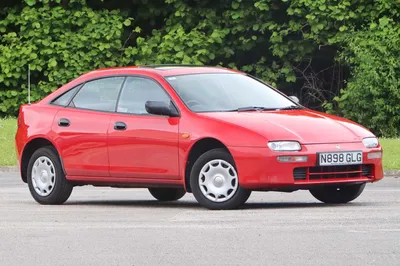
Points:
(124, 182)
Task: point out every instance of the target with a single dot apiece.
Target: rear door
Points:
(81, 127)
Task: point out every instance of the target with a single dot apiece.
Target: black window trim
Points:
(125, 76)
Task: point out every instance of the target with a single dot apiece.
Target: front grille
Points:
(332, 172)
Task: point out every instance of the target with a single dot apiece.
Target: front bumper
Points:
(259, 168)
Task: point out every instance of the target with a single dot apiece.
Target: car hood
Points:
(306, 126)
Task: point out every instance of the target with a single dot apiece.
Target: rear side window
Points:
(64, 99)
(99, 95)
(136, 92)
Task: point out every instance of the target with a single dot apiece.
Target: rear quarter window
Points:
(65, 98)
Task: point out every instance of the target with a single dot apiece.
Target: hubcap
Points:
(43, 176)
(218, 180)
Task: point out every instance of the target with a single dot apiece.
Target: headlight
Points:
(284, 145)
(371, 142)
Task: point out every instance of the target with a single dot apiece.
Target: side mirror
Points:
(161, 108)
(294, 98)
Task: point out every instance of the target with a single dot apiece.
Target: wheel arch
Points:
(29, 149)
(198, 148)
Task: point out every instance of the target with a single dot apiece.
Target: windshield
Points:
(226, 92)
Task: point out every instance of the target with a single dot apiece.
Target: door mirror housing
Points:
(294, 98)
(161, 108)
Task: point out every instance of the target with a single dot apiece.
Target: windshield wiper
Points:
(291, 107)
(251, 108)
(261, 108)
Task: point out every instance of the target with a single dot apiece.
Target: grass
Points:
(391, 147)
(8, 156)
(391, 153)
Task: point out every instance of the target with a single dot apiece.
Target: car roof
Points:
(168, 70)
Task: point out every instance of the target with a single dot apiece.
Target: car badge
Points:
(338, 147)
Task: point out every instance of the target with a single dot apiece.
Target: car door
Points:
(81, 127)
(142, 145)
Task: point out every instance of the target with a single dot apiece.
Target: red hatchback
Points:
(214, 132)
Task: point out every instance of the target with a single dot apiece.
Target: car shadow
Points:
(295, 205)
(194, 205)
(137, 203)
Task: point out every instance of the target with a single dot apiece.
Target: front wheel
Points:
(167, 194)
(338, 194)
(214, 181)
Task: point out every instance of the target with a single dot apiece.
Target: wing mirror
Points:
(161, 108)
(294, 98)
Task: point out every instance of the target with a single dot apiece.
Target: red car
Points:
(214, 132)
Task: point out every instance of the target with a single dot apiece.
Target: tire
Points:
(338, 194)
(167, 194)
(48, 186)
(214, 172)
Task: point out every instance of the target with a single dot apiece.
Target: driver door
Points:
(142, 145)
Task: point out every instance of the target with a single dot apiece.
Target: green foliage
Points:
(295, 45)
(58, 43)
(372, 95)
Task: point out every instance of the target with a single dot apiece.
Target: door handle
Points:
(63, 122)
(119, 126)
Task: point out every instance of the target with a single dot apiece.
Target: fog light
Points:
(292, 159)
(375, 155)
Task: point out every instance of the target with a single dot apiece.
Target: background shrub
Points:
(336, 56)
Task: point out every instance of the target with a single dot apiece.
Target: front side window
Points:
(99, 95)
(136, 92)
(225, 92)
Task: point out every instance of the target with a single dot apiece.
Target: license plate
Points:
(340, 158)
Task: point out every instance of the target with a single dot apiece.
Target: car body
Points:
(178, 129)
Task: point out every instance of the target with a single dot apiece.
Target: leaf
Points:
(52, 63)
(235, 15)
(127, 22)
(30, 2)
(383, 21)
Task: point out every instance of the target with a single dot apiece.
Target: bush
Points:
(59, 44)
(293, 45)
(372, 95)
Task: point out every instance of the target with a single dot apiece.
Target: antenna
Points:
(29, 84)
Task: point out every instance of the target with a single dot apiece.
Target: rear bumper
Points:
(259, 168)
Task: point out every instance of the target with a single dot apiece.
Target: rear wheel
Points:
(46, 180)
(167, 194)
(214, 181)
(338, 194)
